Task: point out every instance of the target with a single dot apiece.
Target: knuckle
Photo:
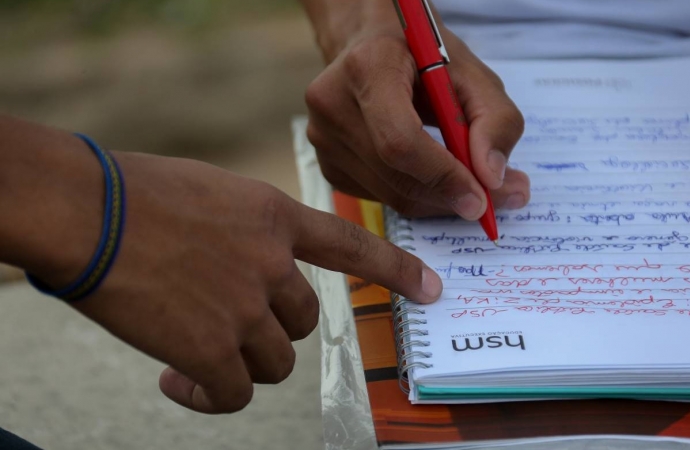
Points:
(251, 315)
(275, 209)
(442, 180)
(356, 245)
(435, 182)
(396, 148)
(317, 96)
(220, 350)
(285, 366)
(331, 174)
(283, 268)
(315, 136)
(309, 317)
(408, 188)
(357, 62)
(514, 122)
(494, 79)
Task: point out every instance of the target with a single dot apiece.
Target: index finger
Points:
(335, 244)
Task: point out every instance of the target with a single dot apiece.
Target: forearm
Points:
(336, 22)
(51, 200)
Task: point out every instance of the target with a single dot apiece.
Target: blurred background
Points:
(216, 80)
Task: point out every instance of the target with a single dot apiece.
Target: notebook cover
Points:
(397, 421)
(505, 392)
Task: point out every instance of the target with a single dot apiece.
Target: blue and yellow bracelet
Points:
(113, 226)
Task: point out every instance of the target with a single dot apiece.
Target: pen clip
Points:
(434, 27)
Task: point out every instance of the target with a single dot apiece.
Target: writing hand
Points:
(206, 279)
(367, 109)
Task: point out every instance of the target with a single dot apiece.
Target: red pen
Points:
(431, 58)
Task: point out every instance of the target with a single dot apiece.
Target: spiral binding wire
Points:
(405, 325)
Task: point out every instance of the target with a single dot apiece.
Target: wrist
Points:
(339, 24)
(52, 189)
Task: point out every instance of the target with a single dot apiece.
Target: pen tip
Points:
(496, 243)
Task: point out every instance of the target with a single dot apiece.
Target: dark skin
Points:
(206, 279)
(367, 109)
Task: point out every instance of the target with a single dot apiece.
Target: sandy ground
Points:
(225, 97)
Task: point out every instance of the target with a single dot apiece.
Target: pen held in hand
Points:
(431, 58)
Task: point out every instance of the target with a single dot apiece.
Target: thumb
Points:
(232, 394)
(184, 391)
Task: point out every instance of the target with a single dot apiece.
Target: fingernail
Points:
(497, 163)
(432, 286)
(515, 201)
(469, 207)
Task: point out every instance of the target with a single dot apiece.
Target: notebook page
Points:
(595, 271)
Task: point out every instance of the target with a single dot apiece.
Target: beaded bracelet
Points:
(113, 225)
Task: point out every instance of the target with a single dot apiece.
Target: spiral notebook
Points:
(588, 293)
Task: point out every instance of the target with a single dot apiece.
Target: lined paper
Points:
(594, 274)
